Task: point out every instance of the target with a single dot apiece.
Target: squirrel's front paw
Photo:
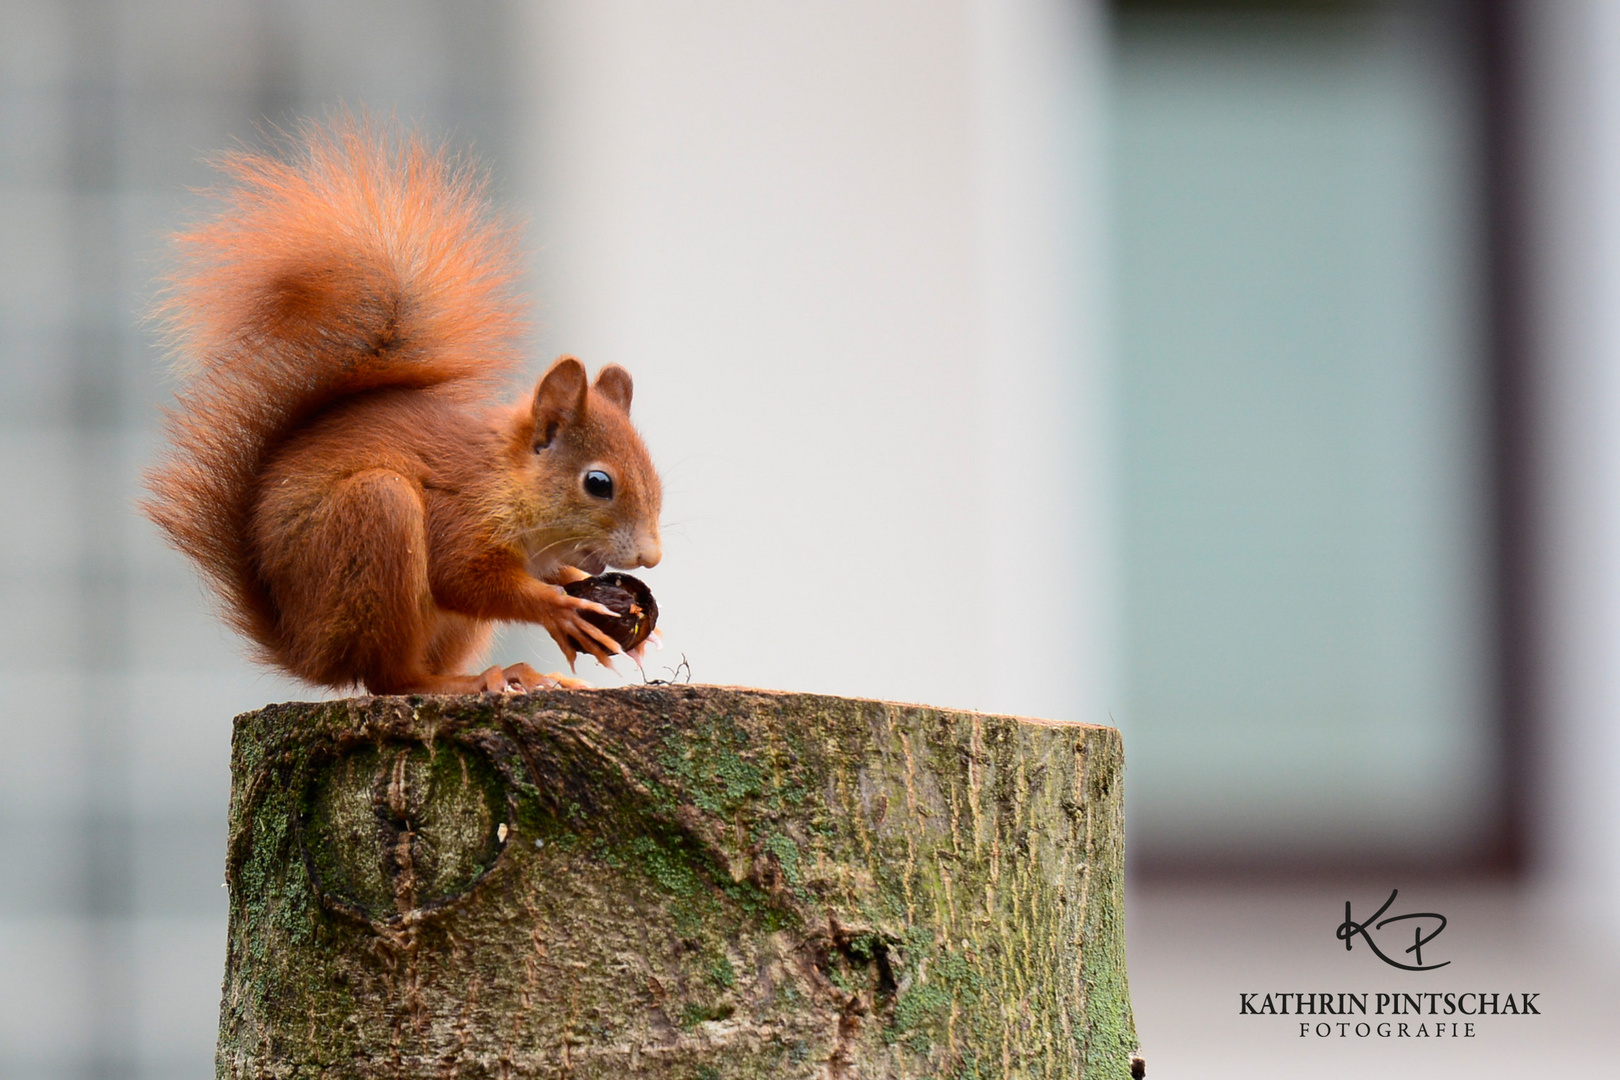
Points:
(574, 634)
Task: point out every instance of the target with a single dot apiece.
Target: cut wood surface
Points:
(690, 882)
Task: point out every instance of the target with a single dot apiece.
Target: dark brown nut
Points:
(629, 596)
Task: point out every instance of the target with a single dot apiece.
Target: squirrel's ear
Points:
(559, 400)
(613, 382)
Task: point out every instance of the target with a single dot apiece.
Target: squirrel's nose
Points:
(648, 551)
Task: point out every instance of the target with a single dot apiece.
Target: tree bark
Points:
(672, 881)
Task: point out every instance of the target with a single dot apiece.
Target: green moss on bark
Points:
(672, 882)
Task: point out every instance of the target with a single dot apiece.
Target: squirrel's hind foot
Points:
(521, 678)
(514, 678)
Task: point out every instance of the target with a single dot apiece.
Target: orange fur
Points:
(332, 468)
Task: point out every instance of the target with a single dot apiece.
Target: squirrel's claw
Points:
(574, 635)
(603, 657)
(598, 641)
(579, 603)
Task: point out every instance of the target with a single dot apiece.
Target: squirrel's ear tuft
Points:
(613, 383)
(559, 400)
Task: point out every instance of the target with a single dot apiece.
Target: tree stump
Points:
(690, 882)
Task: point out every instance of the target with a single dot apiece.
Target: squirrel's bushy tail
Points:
(361, 260)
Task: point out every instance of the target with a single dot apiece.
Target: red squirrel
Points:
(335, 467)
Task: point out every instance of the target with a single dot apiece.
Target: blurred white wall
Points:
(1574, 153)
(849, 253)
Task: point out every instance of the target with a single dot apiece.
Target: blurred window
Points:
(1298, 308)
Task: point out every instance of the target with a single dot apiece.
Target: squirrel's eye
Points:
(599, 484)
